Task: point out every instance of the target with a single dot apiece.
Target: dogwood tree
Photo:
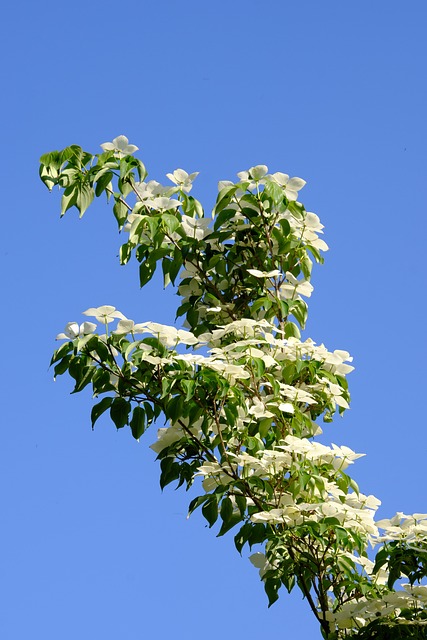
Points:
(240, 394)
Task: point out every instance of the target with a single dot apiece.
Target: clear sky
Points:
(333, 92)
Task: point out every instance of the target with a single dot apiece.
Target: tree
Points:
(240, 392)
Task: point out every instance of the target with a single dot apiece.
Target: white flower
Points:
(169, 336)
(120, 146)
(73, 330)
(195, 227)
(313, 239)
(163, 203)
(291, 185)
(259, 410)
(183, 179)
(152, 189)
(254, 173)
(264, 274)
(348, 454)
(104, 314)
(128, 326)
(287, 407)
(258, 172)
(294, 286)
(312, 221)
(260, 562)
(166, 436)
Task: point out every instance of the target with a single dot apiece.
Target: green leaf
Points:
(120, 211)
(226, 510)
(49, 169)
(234, 519)
(101, 382)
(259, 366)
(272, 586)
(69, 199)
(274, 191)
(196, 502)
(242, 536)
(257, 534)
(292, 331)
(210, 509)
(286, 227)
(170, 222)
(85, 196)
(125, 253)
(98, 409)
(345, 565)
(137, 424)
(119, 412)
(103, 182)
(60, 353)
(86, 375)
(77, 194)
(169, 471)
(224, 197)
(146, 272)
(261, 303)
(297, 209)
(176, 265)
(166, 264)
(62, 366)
(188, 386)
(264, 427)
(299, 309)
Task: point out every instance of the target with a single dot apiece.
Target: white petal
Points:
(258, 172)
(305, 288)
(341, 402)
(224, 183)
(166, 203)
(180, 175)
(296, 183)
(72, 330)
(258, 560)
(263, 274)
(124, 327)
(87, 327)
(313, 221)
(121, 142)
(171, 178)
(287, 407)
(291, 194)
(280, 178)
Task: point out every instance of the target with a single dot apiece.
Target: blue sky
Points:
(333, 92)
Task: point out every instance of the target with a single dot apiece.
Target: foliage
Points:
(241, 393)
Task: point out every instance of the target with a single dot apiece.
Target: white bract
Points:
(183, 179)
(195, 227)
(163, 203)
(291, 185)
(264, 274)
(295, 287)
(120, 146)
(74, 330)
(147, 192)
(105, 313)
